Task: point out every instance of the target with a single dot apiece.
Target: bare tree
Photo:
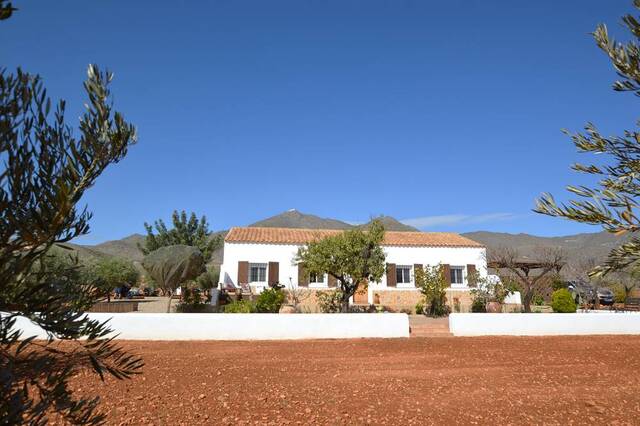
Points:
(297, 295)
(529, 272)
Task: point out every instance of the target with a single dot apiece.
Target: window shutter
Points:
(391, 275)
(446, 271)
(274, 273)
(303, 278)
(243, 272)
(332, 282)
(471, 271)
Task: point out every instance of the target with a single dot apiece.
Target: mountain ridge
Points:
(578, 248)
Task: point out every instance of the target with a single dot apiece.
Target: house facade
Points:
(260, 257)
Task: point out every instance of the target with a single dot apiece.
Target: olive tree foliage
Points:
(189, 231)
(172, 266)
(109, 273)
(46, 168)
(6, 9)
(352, 257)
(613, 203)
(209, 278)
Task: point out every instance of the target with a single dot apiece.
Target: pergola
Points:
(526, 266)
(522, 269)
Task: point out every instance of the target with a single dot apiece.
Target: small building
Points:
(261, 257)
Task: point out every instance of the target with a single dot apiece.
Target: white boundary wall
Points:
(544, 324)
(141, 326)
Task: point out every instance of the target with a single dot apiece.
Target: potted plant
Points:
(490, 294)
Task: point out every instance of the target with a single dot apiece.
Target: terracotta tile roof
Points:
(303, 236)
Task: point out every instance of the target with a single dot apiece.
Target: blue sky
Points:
(447, 114)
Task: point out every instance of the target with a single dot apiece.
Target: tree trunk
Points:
(526, 300)
(169, 302)
(346, 295)
(108, 296)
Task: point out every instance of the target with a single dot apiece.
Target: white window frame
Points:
(411, 282)
(462, 269)
(322, 283)
(258, 265)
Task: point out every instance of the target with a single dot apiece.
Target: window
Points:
(258, 272)
(457, 274)
(316, 278)
(403, 274)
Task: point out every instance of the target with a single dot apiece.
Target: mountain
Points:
(579, 249)
(126, 247)
(294, 219)
(393, 224)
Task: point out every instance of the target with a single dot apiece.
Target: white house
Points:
(260, 257)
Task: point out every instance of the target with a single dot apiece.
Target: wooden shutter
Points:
(332, 280)
(243, 272)
(471, 271)
(303, 278)
(391, 275)
(446, 271)
(274, 273)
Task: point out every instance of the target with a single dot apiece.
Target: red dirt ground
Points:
(482, 380)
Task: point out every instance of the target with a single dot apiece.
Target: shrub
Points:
(430, 280)
(558, 283)
(239, 307)
(270, 301)
(330, 301)
(538, 300)
(479, 305)
(489, 290)
(420, 308)
(562, 301)
(619, 294)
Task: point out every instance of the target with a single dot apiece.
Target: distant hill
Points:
(393, 224)
(126, 247)
(294, 219)
(578, 248)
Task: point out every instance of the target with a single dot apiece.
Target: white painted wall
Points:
(285, 253)
(141, 326)
(544, 324)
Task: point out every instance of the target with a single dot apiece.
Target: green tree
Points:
(208, 279)
(613, 203)
(109, 273)
(353, 258)
(433, 286)
(186, 230)
(48, 168)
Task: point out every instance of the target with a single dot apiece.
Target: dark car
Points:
(584, 292)
(605, 296)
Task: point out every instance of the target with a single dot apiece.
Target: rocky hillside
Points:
(579, 248)
(294, 219)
